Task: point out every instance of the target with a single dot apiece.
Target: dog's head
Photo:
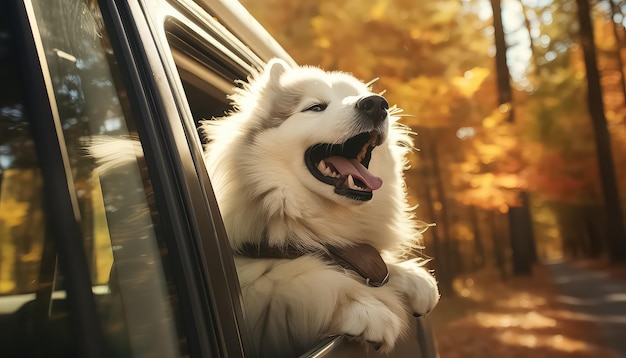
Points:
(328, 121)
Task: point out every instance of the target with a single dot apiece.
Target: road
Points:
(594, 296)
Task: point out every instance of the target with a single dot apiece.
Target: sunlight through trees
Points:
(477, 153)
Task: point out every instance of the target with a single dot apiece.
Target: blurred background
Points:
(518, 108)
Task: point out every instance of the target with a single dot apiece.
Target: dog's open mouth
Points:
(345, 165)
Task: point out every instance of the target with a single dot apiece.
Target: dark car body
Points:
(131, 261)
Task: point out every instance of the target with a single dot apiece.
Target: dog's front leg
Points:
(416, 284)
(292, 304)
(371, 314)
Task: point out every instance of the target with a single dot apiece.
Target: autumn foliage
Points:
(435, 60)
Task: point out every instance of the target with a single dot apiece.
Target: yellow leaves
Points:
(496, 117)
(378, 11)
(428, 100)
(323, 42)
(488, 196)
(319, 24)
(20, 218)
(15, 203)
(433, 63)
(616, 123)
(445, 12)
(504, 181)
(415, 32)
(469, 166)
(12, 212)
(500, 147)
(508, 181)
(482, 180)
(491, 170)
(603, 34)
(471, 80)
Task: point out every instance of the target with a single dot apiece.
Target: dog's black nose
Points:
(374, 107)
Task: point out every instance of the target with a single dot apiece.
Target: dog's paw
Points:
(419, 286)
(368, 319)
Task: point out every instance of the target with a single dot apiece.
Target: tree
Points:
(519, 217)
(615, 225)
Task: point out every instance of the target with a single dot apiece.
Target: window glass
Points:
(32, 323)
(21, 217)
(120, 226)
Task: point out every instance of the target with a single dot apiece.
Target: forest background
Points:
(519, 117)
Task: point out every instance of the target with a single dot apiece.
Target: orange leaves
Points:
(430, 101)
(378, 10)
(489, 191)
(493, 167)
(603, 35)
(471, 81)
(497, 116)
(566, 178)
(433, 59)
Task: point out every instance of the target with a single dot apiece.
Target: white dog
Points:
(308, 175)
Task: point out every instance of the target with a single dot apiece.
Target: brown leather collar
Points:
(363, 259)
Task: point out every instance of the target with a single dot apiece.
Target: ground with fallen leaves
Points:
(518, 318)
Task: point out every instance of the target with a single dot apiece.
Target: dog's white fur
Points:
(255, 159)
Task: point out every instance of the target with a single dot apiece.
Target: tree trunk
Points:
(595, 230)
(520, 248)
(519, 221)
(615, 222)
(532, 244)
(498, 248)
(440, 261)
(441, 195)
(618, 47)
(479, 248)
(502, 69)
(441, 252)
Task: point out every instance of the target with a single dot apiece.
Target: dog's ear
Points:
(274, 70)
(268, 80)
(261, 83)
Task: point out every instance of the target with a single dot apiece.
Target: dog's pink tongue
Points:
(353, 167)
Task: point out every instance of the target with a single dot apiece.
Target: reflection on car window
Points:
(32, 324)
(89, 106)
(119, 224)
(21, 218)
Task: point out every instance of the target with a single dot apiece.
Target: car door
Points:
(127, 261)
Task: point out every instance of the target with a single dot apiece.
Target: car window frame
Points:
(203, 257)
(229, 325)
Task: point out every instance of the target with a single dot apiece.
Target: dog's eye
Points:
(318, 107)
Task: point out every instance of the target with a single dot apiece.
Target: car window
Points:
(21, 215)
(24, 274)
(131, 279)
